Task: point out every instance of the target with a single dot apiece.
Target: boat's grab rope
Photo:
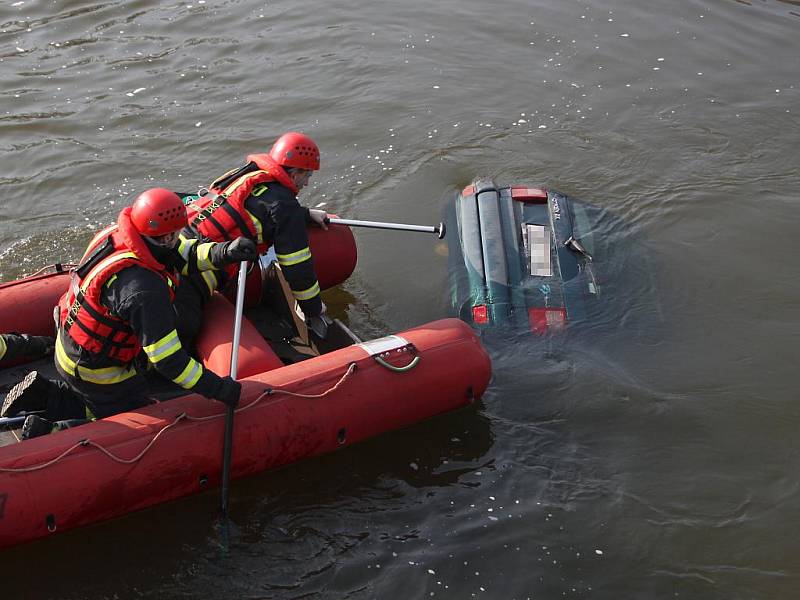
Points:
(128, 461)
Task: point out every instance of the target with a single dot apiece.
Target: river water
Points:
(653, 456)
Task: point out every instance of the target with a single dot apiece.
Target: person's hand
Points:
(229, 392)
(318, 216)
(240, 249)
(318, 325)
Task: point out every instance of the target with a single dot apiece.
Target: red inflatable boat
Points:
(301, 397)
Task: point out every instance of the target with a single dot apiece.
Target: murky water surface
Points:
(650, 455)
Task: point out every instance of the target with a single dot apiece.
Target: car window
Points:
(584, 226)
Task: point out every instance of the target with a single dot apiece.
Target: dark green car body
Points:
(523, 257)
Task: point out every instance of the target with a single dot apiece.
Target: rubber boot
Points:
(28, 395)
(35, 426)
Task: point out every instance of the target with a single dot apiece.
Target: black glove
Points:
(229, 392)
(240, 249)
(319, 325)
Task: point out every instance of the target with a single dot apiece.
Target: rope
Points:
(53, 268)
(136, 458)
(128, 461)
(269, 392)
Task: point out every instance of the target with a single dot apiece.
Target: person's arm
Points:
(144, 302)
(15, 347)
(294, 255)
(197, 256)
(317, 216)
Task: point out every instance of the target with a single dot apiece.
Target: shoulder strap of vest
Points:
(231, 204)
(89, 260)
(266, 163)
(228, 178)
(99, 238)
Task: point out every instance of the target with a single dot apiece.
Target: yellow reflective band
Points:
(190, 375)
(61, 356)
(230, 189)
(3, 347)
(203, 253)
(166, 346)
(185, 246)
(102, 265)
(104, 376)
(201, 257)
(307, 294)
(257, 226)
(259, 189)
(211, 280)
(287, 260)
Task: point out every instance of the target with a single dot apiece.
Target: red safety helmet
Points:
(295, 149)
(158, 212)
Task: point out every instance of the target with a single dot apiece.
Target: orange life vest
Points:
(220, 215)
(81, 314)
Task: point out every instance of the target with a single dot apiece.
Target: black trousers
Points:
(73, 397)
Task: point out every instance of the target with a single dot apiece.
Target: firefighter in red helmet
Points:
(259, 201)
(117, 316)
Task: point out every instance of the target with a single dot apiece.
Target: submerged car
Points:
(524, 257)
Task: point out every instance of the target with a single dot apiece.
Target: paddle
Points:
(227, 449)
(439, 229)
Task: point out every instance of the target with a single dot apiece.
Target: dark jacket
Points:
(284, 222)
(15, 347)
(281, 221)
(140, 297)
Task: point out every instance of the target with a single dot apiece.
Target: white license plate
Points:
(537, 246)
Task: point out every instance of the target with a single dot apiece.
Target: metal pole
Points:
(227, 449)
(12, 421)
(439, 230)
(237, 326)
